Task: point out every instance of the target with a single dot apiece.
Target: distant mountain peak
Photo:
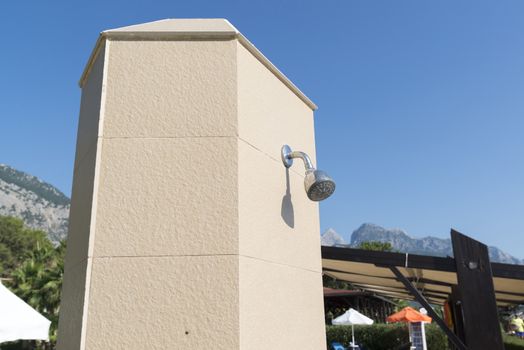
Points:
(401, 241)
(331, 238)
(41, 205)
(373, 232)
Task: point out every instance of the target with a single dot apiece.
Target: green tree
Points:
(33, 269)
(331, 282)
(38, 281)
(17, 243)
(376, 245)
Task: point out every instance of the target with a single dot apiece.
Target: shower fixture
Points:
(317, 183)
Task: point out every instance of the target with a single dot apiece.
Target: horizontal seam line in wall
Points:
(281, 264)
(93, 144)
(165, 137)
(203, 255)
(181, 137)
(159, 256)
(83, 157)
(268, 155)
(78, 263)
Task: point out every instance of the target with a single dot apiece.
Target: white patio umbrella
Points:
(19, 320)
(352, 317)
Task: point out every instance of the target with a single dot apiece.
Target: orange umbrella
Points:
(408, 314)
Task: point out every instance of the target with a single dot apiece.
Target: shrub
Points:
(435, 338)
(513, 343)
(384, 336)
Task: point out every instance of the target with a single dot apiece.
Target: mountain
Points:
(332, 238)
(41, 205)
(402, 242)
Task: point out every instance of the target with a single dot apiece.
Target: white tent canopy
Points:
(19, 320)
(352, 317)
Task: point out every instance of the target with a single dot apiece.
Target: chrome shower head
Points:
(317, 183)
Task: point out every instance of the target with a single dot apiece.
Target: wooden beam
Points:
(420, 298)
(507, 271)
(414, 260)
(389, 258)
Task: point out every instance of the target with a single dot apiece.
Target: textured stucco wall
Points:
(77, 265)
(186, 230)
(281, 301)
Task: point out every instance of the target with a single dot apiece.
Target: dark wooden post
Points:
(455, 303)
(476, 293)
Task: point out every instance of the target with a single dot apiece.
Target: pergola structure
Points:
(337, 301)
(472, 286)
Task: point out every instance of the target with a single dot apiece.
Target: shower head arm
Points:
(288, 155)
(308, 165)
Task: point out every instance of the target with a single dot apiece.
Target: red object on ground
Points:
(408, 314)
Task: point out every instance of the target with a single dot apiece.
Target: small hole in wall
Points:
(187, 332)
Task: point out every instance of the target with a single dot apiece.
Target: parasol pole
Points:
(353, 335)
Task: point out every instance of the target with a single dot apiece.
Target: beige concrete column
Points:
(186, 231)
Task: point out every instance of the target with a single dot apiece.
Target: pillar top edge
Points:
(188, 29)
(180, 25)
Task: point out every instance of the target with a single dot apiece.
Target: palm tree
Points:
(38, 281)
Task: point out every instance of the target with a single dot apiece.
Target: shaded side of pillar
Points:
(76, 284)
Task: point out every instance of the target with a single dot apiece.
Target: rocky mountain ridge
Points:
(402, 242)
(41, 205)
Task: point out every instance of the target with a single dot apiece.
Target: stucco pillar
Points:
(186, 231)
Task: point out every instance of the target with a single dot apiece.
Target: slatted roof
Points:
(432, 276)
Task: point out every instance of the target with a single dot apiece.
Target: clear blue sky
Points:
(421, 117)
